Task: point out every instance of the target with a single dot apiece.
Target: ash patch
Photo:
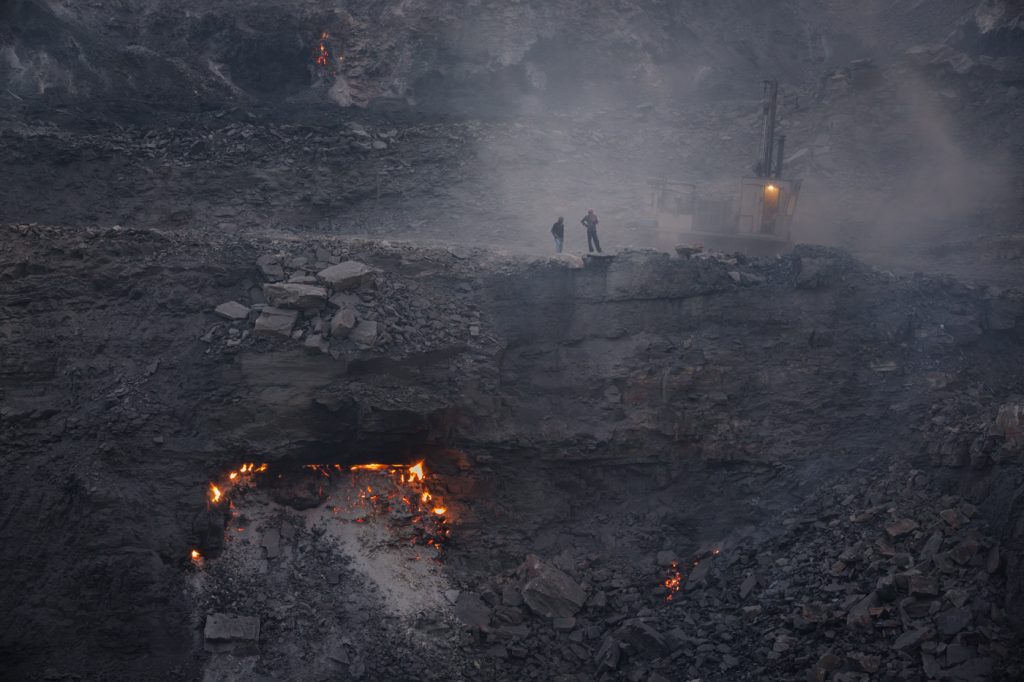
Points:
(340, 589)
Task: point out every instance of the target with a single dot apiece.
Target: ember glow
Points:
(373, 467)
(320, 53)
(674, 580)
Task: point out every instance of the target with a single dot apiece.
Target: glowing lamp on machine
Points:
(770, 187)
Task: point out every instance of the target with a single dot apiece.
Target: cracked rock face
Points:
(449, 54)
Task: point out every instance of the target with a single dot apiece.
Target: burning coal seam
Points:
(402, 494)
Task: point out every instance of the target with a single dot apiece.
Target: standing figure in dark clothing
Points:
(590, 222)
(558, 229)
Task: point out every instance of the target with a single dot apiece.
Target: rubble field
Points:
(698, 466)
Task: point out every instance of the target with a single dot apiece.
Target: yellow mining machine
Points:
(758, 224)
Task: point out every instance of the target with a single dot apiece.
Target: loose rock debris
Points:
(875, 576)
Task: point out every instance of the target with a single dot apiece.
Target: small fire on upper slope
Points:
(322, 54)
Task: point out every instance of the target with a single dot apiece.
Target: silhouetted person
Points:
(590, 222)
(558, 229)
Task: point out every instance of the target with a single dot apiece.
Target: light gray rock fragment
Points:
(298, 296)
(342, 276)
(315, 344)
(275, 323)
(365, 334)
(232, 310)
(343, 322)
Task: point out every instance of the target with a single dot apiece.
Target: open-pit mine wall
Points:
(709, 392)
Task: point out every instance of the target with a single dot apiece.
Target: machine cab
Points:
(766, 207)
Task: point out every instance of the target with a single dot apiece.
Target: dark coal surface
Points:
(714, 467)
(874, 576)
(618, 407)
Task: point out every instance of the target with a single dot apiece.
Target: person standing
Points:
(558, 230)
(590, 222)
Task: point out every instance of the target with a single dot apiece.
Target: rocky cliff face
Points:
(456, 55)
(726, 387)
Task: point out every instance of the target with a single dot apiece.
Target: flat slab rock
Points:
(232, 310)
(275, 323)
(298, 296)
(347, 275)
(228, 633)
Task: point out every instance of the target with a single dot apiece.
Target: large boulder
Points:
(347, 275)
(298, 296)
(275, 323)
(471, 610)
(549, 592)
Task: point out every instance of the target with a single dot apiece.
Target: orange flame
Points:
(674, 581)
(417, 471)
(321, 53)
(439, 510)
(216, 492)
(195, 554)
(425, 497)
(233, 475)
